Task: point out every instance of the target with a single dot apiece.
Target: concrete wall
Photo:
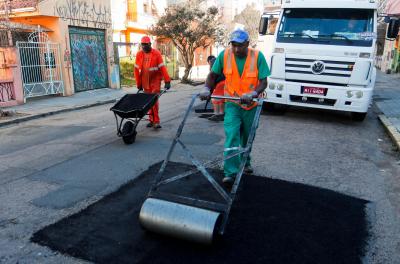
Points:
(10, 72)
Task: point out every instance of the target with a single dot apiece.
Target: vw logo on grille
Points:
(317, 67)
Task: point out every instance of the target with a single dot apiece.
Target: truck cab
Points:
(323, 55)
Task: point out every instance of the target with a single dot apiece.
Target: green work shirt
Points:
(263, 69)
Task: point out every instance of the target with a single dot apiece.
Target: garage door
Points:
(89, 58)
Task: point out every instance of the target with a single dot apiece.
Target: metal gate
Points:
(89, 58)
(40, 66)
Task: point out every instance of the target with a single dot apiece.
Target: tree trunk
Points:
(185, 77)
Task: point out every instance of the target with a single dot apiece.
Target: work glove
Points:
(167, 85)
(205, 94)
(140, 88)
(247, 98)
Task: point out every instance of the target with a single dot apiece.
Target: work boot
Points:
(157, 126)
(228, 181)
(149, 124)
(248, 169)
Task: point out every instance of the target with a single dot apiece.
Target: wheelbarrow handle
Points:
(161, 91)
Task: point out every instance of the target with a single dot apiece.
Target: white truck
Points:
(323, 55)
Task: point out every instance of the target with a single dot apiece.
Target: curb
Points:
(393, 133)
(36, 116)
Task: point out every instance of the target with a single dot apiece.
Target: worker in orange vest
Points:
(246, 72)
(149, 71)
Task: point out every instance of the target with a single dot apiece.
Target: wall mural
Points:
(83, 14)
(89, 58)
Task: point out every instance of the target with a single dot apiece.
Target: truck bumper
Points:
(341, 98)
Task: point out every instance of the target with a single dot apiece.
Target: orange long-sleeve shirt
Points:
(150, 70)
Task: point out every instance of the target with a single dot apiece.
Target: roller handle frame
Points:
(231, 98)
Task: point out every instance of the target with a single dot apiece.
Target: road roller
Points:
(189, 218)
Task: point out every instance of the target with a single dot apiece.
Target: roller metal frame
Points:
(223, 208)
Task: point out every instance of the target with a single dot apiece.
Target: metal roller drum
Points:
(178, 220)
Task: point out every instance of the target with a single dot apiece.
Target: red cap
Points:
(145, 39)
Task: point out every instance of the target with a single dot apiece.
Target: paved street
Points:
(55, 166)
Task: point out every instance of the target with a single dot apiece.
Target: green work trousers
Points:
(237, 125)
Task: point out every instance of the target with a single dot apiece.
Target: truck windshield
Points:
(347, 27)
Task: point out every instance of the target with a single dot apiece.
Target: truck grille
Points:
(332, 68)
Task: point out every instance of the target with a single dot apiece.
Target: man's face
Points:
(240, 49)
(352, 24)
(146, 47)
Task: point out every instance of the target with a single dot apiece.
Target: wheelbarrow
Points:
(129, 110)
(187, 218)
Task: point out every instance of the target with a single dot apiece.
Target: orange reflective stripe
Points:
(229, 61)
(252, 60)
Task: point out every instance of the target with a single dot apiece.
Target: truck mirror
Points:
(263, 25)
(393, 28)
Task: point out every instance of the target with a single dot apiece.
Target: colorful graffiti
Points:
(83, 14)
(89, 59)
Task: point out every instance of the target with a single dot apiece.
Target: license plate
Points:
(314, 90)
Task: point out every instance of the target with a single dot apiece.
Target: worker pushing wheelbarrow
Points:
(149, 71)
(198, 220)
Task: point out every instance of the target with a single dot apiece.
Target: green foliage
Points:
(250, 18)
(127, 65)
(189, 27)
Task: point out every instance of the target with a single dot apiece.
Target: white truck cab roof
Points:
(357, 4)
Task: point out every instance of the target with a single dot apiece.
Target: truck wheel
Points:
(356, 116)
(129, 133)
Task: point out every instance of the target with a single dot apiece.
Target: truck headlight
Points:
(280, 87)
(349, 94)
(359, 94)
(272, 86)
(279, 50)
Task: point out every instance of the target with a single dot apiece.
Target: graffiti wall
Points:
(84, 30)
(89, 58)
(83, 13)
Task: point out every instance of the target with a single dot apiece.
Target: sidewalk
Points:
(387, 99)
(40, 107)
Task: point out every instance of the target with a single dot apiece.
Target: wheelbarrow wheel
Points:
(129, 133)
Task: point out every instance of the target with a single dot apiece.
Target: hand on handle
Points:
(205, 94)
(248, 97)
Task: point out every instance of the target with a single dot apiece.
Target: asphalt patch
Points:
(272, 221)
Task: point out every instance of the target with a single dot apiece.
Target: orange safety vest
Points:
(236, 85)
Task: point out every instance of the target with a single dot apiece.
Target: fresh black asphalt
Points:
(272, 221)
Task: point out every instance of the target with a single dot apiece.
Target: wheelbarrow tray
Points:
(134, 105)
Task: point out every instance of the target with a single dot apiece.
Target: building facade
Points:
(62, 47)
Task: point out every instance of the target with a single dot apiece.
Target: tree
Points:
(189, 28)
(249, 18)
